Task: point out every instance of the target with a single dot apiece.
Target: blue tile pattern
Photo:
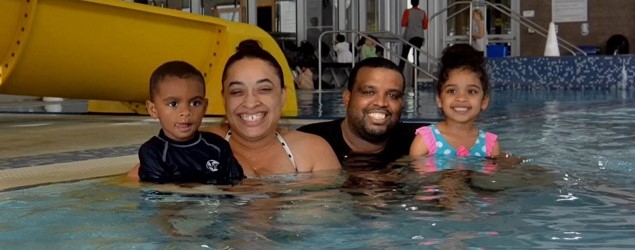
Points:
(563, 73)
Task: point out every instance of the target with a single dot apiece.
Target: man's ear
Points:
(346, 97)
(152, 110)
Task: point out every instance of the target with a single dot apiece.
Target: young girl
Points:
(462, 92)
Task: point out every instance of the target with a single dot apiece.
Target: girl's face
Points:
(253, 98)
(462, 97)
(369, 42)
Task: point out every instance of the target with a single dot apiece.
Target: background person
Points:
(343, 49)
(415, 21)
(369, 49)
(479, 33)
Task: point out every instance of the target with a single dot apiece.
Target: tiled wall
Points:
(565, 72)
(605, 18)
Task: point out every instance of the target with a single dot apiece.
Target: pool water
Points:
(574, 189)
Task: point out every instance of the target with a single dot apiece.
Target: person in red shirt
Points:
(415, 21)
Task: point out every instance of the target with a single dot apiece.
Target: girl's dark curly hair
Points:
(462, 56)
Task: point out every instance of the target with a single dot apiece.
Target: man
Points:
(415, 21)
(372, 127)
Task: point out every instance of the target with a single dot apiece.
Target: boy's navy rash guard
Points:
(206, 158)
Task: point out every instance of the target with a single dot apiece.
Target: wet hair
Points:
(414, 3)
(251, 49)
(373, 62)
(178, 69)
(464, 57)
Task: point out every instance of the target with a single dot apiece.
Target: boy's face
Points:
(180, 105)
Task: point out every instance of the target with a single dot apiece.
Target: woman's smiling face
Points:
(253, 96)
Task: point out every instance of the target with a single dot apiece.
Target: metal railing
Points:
(394, 53)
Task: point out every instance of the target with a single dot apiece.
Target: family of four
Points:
(250, 143)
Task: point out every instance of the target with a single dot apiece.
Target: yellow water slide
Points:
(105, 50)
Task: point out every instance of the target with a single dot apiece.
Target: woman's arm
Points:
(326, 158)
(312, 153)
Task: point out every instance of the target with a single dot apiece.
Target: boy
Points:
(180, 153)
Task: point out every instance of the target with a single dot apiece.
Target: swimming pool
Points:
(585, 198)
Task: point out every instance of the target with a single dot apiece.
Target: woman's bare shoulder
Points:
(312, 152)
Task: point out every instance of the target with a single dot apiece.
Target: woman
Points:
(254, 93)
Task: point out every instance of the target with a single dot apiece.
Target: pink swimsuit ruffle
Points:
(428, 138)
(490, 141)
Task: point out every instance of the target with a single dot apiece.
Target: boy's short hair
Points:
(179, 69)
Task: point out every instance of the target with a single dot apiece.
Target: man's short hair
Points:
(414, 3)
(373, 62)
(179, 69)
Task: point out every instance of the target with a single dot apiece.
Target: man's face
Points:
(374, 106)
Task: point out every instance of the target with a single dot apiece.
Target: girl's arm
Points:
(496, 151)
(418, 147)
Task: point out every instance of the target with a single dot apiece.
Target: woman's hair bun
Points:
(248, 45)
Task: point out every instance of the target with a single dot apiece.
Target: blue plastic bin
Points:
(494, 51)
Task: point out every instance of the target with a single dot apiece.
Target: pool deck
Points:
(45, 148)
